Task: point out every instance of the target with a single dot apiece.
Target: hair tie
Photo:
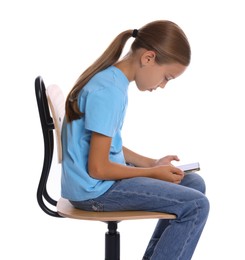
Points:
(135, 32)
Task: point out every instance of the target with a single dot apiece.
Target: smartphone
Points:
(191, 167)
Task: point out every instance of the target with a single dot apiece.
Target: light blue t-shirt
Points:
(103, 100)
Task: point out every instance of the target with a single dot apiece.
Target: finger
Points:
(177, 171)
(176, 158)
(177, 182)
(178, 179)
(173, 158)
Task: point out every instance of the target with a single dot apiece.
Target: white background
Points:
(199, 117)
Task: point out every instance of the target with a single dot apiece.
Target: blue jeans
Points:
(172, 239)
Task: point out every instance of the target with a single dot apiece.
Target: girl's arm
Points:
(142, 161)
(138, 160)
(100, 167)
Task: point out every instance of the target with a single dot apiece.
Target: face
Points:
(152, 76)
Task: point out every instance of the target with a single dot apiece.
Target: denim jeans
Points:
(172, 239)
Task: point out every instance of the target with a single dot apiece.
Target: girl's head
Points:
(162, 42)
(163, 51)
(166, 39)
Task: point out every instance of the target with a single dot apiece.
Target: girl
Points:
(97, 170)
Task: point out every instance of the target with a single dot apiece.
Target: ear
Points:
(148, 58)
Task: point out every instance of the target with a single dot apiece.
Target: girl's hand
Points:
(168, 173)
(166, 160)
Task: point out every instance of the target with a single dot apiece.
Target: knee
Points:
(200, 183)
(195, 181)
(195, 208)
(204, 207)
(205, 204)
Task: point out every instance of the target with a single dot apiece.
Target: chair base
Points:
(112, 242)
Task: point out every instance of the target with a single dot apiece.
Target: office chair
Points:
(51, 101)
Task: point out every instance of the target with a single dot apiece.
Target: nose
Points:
(162, 85)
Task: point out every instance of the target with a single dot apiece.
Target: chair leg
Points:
(112, 242)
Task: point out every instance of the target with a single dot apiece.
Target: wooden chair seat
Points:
(66, 209)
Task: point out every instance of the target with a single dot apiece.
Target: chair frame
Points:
(48, 138)
(63, 207)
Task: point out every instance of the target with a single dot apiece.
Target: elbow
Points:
(96, 172)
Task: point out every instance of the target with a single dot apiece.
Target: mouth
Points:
(152, 89)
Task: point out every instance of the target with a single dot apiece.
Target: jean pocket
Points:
(89, 205)
(96, 206)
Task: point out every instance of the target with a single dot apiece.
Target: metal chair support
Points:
(112, 242)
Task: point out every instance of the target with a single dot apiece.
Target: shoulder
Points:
(107, 77)
(110, 81)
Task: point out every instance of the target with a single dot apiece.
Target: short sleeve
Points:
(103, 111)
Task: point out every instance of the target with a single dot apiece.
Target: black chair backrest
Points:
(48, 137)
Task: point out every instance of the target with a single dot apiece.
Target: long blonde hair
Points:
(164, 37)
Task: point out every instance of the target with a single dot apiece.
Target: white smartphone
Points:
(191, 167)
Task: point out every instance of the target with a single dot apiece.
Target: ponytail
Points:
(108, 58)
(164, 37)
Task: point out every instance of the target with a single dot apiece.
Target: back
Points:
(56, 102)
